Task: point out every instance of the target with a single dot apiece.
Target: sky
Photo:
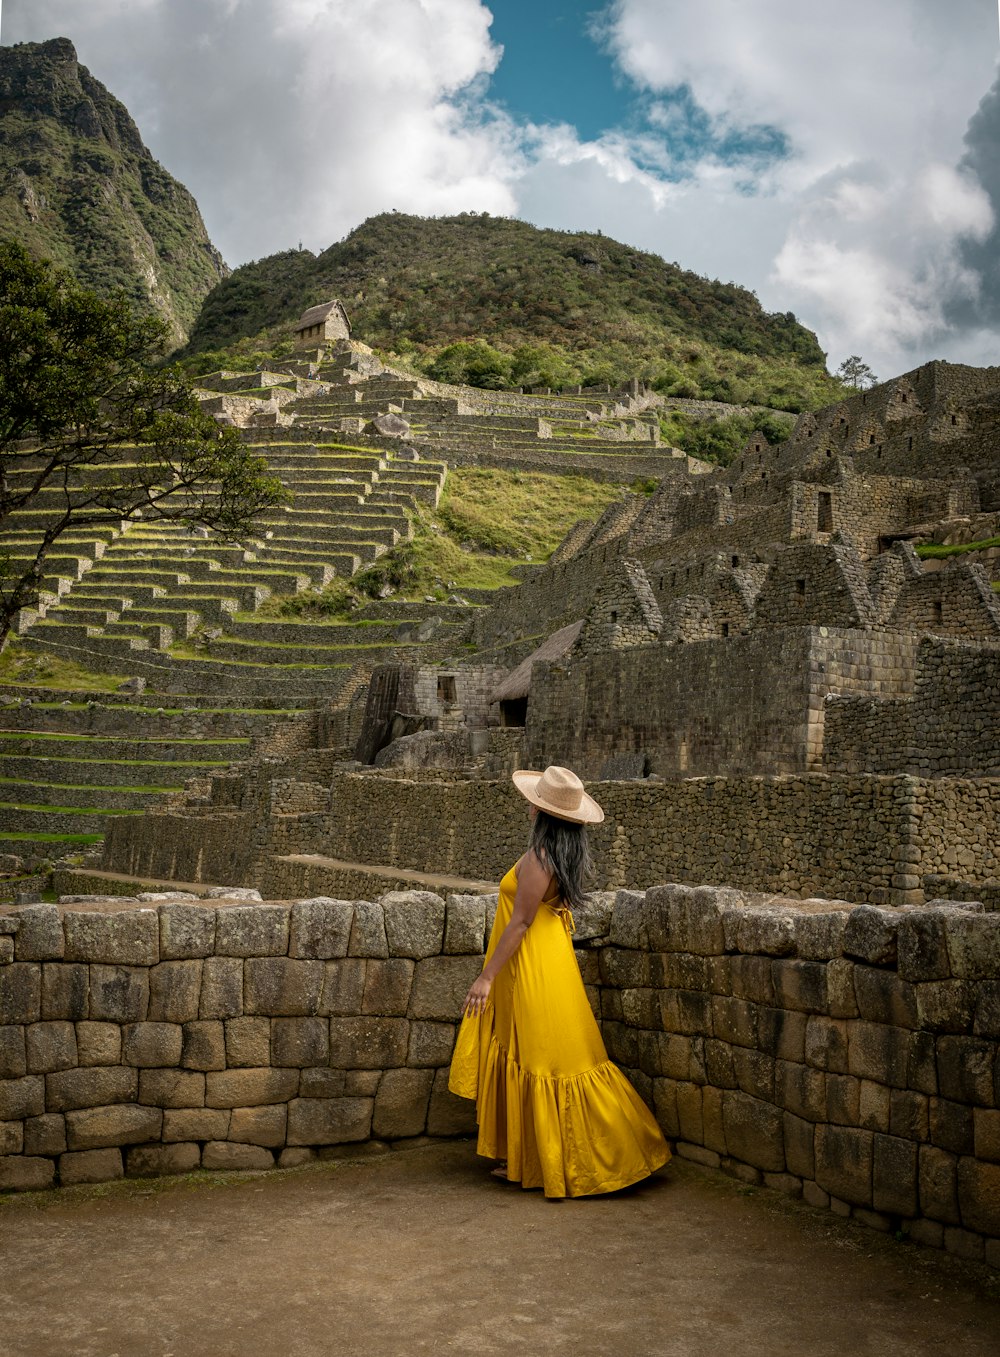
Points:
(840, 159)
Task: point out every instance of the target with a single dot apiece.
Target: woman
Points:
(550, 1104)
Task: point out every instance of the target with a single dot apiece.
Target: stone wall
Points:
(846, 1054)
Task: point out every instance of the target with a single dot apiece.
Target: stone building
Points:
(321, 325)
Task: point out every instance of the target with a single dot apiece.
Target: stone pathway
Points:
(420, 1251)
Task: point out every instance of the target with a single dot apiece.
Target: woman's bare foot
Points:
(500, 1171)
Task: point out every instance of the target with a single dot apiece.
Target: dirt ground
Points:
(420, 1251)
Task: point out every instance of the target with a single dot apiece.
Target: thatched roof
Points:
(317, 314)
(518, 681)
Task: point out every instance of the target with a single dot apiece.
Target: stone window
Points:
(736, 561)
(937, 613)
(824, 511)
(446, 692)
(871, 438)
(614, 617)
(725, 628)
(800, 592)
(909, 444)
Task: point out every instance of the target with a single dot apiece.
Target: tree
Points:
(855, 372)
(93, 432)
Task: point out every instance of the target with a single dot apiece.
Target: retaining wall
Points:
(847, 1054)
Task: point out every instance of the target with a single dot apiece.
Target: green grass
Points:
(932, 551)
(98, 739)
(82, 786)
(52, 838)
(67, 810)
(27, 668)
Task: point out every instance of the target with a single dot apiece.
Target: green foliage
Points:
(35, 670)
(933, 551)
(722, 439)
(84, 412)
(498, 303)
(855, 373)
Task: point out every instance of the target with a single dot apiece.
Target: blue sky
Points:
(841, 160)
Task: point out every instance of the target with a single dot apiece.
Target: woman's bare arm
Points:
(533, 879)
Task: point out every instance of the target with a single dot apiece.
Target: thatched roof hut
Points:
(512, 693)
(328, 320)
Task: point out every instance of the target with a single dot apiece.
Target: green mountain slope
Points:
(77, 185)
(498, 302)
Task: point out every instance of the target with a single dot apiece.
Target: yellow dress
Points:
(548, 1099)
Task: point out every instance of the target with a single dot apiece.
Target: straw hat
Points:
(559, 792)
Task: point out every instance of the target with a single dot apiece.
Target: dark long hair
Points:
(562, 846)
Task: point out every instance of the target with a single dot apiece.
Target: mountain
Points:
(77, 185)
(566, 302)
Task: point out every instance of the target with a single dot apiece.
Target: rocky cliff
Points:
(78, 186)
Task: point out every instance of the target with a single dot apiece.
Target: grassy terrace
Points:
(931, 551)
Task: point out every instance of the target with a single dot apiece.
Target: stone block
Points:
(751, 978)
(628, 926)
(187, 932)
(800, 985)
(938, 1184)
(174, 991)
(259, 1125)
(813, 1195)
(90, 1166)
(343, 987)
(766, 932)
(98, 1043)
(322, 1083)
(171, 1088)
(45, 1134)
(6, 949)
(734, 1020)
(204, 1045)
(248, 1042)
(965, 1068)
(870, 935)
(252, 931)
(387, 987)
(414, 923)
(895, 1176)
(11, 1137)
(841, 1001)
(130, 937)
(195, 1123)
(250, 1088)
(689, 918)
(23, 1097)
(221, 988)
(877, 1051)
(368, 937)
(964, 1244)
(844, 1163)
(364, 1043)
(641, 1007)
(753, 1131)
(826, 1044)
(65, 991)
(820, 937)
(118, 994)
(431, 1044)
(800, 1090)
(320, 929)
(843, 1099)
(681, 970)
(50, 1046)
(754, 1072)
(782, 1033)
(97, 1128)
(883, 997)
(979, 1196)
(157, 1161)
(21, 992)
(362, 1083)
(945, 1005)
(675, 1056)
(687, 1012)
(465, 925)
(720, 1070)
(922, 946)
(922, 1063)
(440, 984)
(401, 1103)
(39, 934)
(282, 986)
(665, 1107)
(973, 944)
(299, 1042)
(13, 1052)
(67, 1090)
(225, 1156)
(690, 1117)
(153, 1044)
(909, 1114)
(986, 1124)
(987, 1016)
(952, 1126)
(799, 1138)
(329, 1121)
(26, 1173)
(295, 1156)
(624, 969)
(447, 1114)
(874, 1101)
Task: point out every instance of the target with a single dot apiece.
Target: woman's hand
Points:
(477, 998)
